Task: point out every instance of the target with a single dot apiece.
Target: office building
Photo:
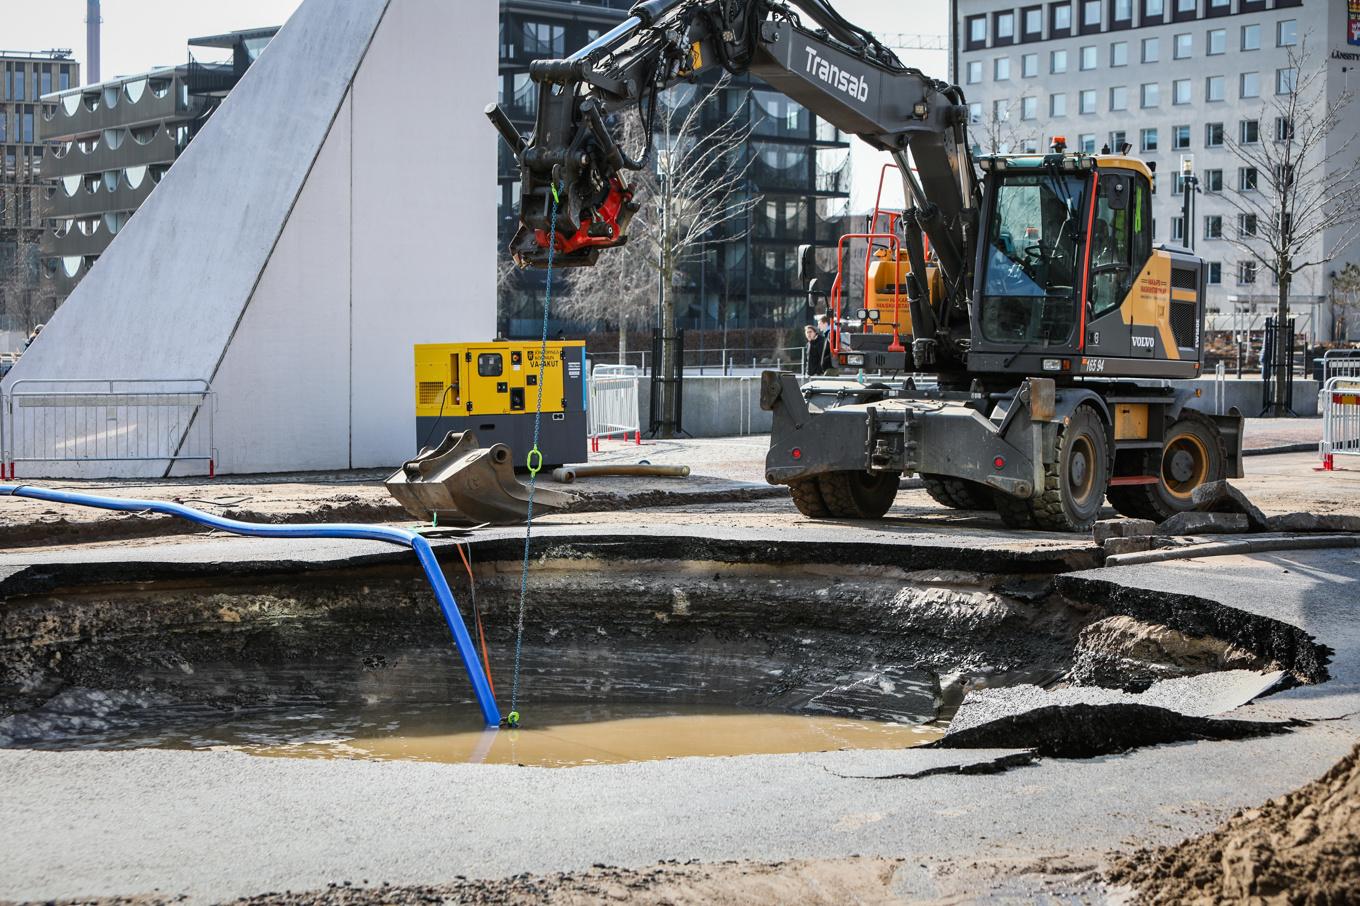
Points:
(1175, 79)
(110, 143)
(798, 166)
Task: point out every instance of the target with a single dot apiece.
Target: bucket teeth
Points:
(458, 481)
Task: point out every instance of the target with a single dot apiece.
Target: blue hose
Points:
(485, 700)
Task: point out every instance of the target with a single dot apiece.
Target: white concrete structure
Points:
(335, 211)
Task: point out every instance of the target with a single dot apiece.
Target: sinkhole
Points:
(624, 659)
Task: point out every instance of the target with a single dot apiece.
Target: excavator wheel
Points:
(1194, 453)
(1076, 481)
(807, 496)
(1015, 513)
(959, 493)
(858, 495)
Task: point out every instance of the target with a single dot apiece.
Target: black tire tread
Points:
(1015, 513)
(1143, 501)
(840, 498)
(958, 493)
(1047, 508)
(807, 496)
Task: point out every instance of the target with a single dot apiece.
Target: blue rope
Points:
(466, 651)
(534, 462)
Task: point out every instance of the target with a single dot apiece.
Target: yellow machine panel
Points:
(492, 388)
(886, 290)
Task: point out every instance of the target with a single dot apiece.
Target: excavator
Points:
(1034, 293)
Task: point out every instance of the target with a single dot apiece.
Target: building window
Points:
(1215, 272)
(1150, 94)
(1214, 89)
(1249, 132)
(974, 72)
(1178, 229)
(1180, 91)
(1057, 61)
(1005, 27)
(26, 135)
(1089, 57)
(1246, 226)
(1184, 46)
(1180, 138)
(1121, 12)
(1246, 273)
(1151, 50)
(1250, 85)
(1220, 7)
(1001, 69)
(1001, 110)
(46, 87)
(1029, 66)
(1213, 226)
(542, 39)
(1059, 20)
(1284, 129)
(1118, 139)
(1186, 7)
(4, 129)
(1152, 11)
(1029, 108)
(1213, 180)
(1213, 135)
(65, 79)
(975, 112)
(1087, 143)
(1251, 37)
(1086, 101)
(1090, 14)
(1057, 105)
(1119, 53)
(1216, 42)
(1148, 139)
(20, 83)
(1286, 32)
(1119, 98)
(1032, 23)
(1286, 80)
(1246, 179)
(977, 32)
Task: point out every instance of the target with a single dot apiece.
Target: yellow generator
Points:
(491, 389)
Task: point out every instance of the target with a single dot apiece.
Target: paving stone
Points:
(1106, 529)
(1222, 497)
(1197, 523)
(1135, 545)
(1313, 522)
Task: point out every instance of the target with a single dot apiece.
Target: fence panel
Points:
(1340, 404)
(83, 421)
(1340, 363)
(613, 403)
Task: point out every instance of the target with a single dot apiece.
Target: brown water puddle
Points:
(552, 735)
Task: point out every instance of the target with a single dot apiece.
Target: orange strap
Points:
(481, 633)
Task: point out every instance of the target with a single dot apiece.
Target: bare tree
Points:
(1299, 204)
(1000, 130)
(694, 193)
(21, 302)
(1345, 300)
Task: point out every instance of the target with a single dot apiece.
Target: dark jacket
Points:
(818, 355)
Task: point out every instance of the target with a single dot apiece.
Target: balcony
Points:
(115, 149)
(76, 197)
(154, 97)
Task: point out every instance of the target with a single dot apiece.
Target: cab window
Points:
(489, 364)
(1121, 239)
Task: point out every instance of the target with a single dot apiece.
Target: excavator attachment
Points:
(458, 481)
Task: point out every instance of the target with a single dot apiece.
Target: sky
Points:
(140, 34)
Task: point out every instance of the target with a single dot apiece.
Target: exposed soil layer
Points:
(1301, 848)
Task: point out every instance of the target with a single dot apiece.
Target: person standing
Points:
(817, 356)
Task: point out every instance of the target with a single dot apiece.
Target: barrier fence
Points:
(82, 421)
(1340, 363)
(1340, 405)
(612, 406)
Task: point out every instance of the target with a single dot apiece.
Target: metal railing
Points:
(81, 421)
(1340, 363)
(612, 407)
(1340, 406)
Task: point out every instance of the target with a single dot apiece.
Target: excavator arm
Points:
(575, 190)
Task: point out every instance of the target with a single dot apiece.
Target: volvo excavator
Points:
(1033, 290)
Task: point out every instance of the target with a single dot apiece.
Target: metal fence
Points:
(83, 421)
(612, 407)
(1340, 405)
(1340, 363)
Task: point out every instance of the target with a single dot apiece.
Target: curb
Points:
(1282, 448)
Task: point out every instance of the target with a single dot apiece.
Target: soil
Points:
(1302, 848)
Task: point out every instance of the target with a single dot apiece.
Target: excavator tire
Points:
(1076, 481)
(1015, 512)
(959, 493)
(858, 495)
(807, 496)
(1194, 453)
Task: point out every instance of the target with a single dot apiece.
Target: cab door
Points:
(1120, 244)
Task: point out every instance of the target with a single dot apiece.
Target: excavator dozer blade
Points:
(458, 481)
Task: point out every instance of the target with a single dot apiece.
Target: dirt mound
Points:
(1301, 848)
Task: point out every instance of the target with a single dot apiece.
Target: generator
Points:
(491, 389)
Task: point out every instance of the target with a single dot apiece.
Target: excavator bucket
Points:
(458, 481)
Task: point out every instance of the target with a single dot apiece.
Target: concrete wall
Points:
(320, 226)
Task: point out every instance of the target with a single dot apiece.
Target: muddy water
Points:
(552, 735)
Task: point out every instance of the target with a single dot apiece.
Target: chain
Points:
(535, 462)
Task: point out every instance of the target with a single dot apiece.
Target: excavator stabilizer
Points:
(458, 481)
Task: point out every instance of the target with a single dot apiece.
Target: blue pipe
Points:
(485, 700)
